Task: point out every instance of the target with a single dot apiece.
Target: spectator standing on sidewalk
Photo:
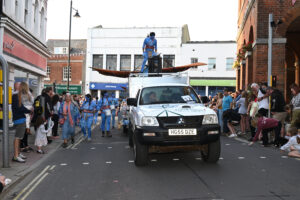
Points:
(262, 98)
(19, 120)
(220, 110)
(295, 103)
(48, 107)
(55, 117)
(41, 134)
(252, 111)
(69, 116)
(226, 105)
(277, 106)
(242, 104)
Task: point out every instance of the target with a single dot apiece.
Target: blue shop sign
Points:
(108, 86)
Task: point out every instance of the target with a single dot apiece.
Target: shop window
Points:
(168, 61)
(138, 61)
(65, 74)
(211, 63)
(98, 61)
(229, 63)
(125, 63)
(194, 60)
(48, 73)
(111, 62)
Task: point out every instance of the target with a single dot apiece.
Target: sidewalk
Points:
(17, 171)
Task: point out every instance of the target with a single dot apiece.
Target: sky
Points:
(206, 19)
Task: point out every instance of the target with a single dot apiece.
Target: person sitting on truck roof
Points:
(149, 47)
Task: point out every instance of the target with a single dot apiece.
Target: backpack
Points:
(37, 108)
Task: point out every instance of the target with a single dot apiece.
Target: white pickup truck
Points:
(166, 111)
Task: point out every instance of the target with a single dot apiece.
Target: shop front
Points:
(211, 87)
(73, 89)
(119, 89)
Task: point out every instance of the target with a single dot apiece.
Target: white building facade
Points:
(22, 38)
(218, 73)
(121, 49)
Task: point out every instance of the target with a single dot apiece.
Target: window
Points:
(138, 61)
(194, 60)
(61, 50)
(229, 63)
(48, 73)
(169, 61)
(26, 14)
(42, 25)
(16, 9)
(98, 61)
(211, 63)
(125, 63)
(111, 62)
(65, 74)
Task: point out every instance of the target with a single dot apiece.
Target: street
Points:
(104, 169)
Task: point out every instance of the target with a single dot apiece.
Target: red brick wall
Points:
(57, 62)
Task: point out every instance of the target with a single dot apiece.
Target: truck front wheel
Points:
(140, 152)
(211, 152)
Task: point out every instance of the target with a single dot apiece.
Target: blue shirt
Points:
(150, 43)
(226, 102)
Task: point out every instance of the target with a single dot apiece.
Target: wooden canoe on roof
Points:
(125, 74)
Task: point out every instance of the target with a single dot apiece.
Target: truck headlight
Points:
(210, 119)
(149, 121)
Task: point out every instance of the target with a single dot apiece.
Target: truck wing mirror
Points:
(132, 101)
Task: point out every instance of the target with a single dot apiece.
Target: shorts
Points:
(20, 130)
(280, 116)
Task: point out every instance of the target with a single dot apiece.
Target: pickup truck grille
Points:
(180, 122)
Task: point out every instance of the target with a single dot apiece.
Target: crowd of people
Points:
(44, 114)
(263, 113)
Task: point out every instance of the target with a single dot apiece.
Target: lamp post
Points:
(69, 52)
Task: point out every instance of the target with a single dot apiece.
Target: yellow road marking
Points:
(34, 186)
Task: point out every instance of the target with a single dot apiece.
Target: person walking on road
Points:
(113, 103)
(19, 119)
(69, 115)
(96, 111)
(105, 116)
(88, 108)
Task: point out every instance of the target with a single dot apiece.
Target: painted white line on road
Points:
(32, 182)
(108, 162)
(227, 144)
(242, 140)
(198, 158)
(153, 160)
(93, 148)
(127, 147)
(131, 161)
(241, 158)
(221, 158)
(35, 185)
(284, 157)
(85, 163)
(78, 142)
(262, 157)
(297, 159)
(176, 159)
(109, 147)
(116, 181)
(63, 164)
(52, 167)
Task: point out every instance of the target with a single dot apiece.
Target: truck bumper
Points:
(160, 136)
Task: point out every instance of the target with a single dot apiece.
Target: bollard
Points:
(5, 112)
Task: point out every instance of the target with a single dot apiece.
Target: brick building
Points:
(252, 42)
(57, 70)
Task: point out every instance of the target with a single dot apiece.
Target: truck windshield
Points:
(168, 95)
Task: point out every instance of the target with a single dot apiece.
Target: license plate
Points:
(174, 132)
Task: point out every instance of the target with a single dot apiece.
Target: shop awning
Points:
(228, 83)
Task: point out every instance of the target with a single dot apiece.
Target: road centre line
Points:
(72, 145)
(32, 182)
(35, 185)
(52, 167)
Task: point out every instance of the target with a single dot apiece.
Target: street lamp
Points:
(76, 15)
